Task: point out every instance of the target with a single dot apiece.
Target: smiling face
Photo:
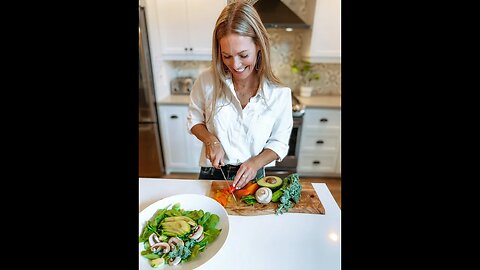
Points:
(239, 54)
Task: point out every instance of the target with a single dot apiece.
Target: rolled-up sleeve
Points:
(196, 107)
(280, 136)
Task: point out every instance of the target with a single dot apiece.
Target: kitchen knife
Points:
(228, 185)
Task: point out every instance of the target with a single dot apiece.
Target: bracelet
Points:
(212, 143)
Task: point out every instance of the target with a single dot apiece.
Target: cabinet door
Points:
(325, 44)
(202, 16)
(173, 27)
(181, 149)
(186, 28)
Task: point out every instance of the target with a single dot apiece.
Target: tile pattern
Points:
(286, 47)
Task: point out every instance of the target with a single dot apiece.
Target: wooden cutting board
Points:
(309, 202)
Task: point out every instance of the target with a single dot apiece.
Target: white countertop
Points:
(309, 102)
(260, 242)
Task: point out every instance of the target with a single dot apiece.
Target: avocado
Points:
(185, 218)
(272, 182)
(157, 262)
(175, 228)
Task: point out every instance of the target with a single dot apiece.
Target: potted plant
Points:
(304, 69)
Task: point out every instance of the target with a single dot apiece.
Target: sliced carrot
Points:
(249, 189)
(221, 197)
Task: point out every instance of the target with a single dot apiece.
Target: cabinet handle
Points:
(316, 162)
(323, 120)
(319, 141)
(186, 49)
(174, 117)
(191, 49)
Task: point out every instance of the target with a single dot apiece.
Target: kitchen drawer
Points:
(322, 131)
(317, 119)
(323, 163)
(316, 142)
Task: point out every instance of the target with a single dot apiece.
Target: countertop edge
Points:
(333, 102)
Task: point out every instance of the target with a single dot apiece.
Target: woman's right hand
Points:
(215, 153)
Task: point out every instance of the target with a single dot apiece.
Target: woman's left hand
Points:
(246, 172)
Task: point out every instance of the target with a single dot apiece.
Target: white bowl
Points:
(188, 202)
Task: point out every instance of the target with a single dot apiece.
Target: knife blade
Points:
(228, 185)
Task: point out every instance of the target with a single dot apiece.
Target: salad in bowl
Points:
(184, 231)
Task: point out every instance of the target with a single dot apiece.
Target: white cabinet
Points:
(186, 27)
(181, 150)
(324, 45)
(320, 143)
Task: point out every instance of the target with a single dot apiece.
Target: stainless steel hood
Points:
(276, 14)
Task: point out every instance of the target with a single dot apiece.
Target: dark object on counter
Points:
(181, 86)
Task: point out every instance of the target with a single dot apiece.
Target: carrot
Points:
(221, 197)
(249, 189)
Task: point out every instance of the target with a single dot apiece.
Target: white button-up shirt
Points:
(265, 122)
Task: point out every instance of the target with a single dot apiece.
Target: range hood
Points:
(275, 14)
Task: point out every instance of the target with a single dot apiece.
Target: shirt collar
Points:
(266, 90)
(229, 83)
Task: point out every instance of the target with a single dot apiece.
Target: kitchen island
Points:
(288, 241)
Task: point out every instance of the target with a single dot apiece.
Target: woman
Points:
(238, 107)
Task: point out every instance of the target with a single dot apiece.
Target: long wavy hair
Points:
(240, 17)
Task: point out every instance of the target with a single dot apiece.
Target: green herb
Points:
(152, 225)
(249, 199)
(291, 193)
(304, 69)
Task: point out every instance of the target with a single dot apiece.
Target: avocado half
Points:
(272, 182)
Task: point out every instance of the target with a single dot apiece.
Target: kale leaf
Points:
(291, 193)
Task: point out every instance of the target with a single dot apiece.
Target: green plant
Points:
(304, 69)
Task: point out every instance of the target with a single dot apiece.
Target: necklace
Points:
(249, 92)
(242, 95)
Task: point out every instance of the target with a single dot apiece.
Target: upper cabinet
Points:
(324, 45)
(186, 28)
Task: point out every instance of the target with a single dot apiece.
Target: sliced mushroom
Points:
(165, 247)
(175, 261)
(153, 238)
(197, 232)
(200, 238)
(174, 242)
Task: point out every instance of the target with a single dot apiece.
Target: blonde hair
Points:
(240, 17)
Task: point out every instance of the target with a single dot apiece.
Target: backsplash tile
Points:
(286, 47)
(186, 68)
